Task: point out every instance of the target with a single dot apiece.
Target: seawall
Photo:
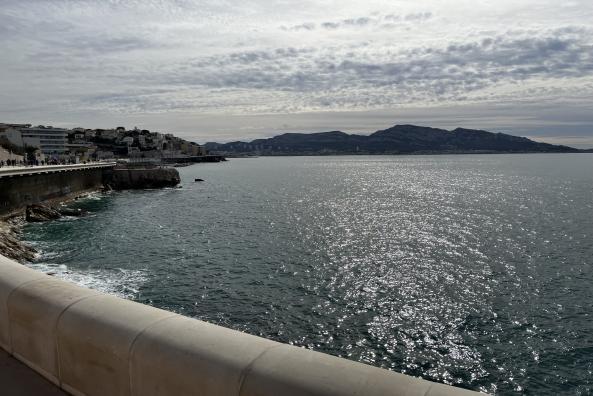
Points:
(89, 343)
(22, 187)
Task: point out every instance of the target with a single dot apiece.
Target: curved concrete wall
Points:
(20, 187)
(90, 343)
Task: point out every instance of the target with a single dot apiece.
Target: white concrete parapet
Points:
(90, 343)
(35, 170)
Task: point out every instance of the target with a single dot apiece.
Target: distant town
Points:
(24, 144)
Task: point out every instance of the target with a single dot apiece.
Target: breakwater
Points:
(89, 343)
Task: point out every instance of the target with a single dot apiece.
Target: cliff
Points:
(132, 177)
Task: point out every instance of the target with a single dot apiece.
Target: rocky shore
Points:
(10, 244)
(128, 176)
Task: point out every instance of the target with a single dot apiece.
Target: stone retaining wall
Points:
(19, 190)
(90, 343)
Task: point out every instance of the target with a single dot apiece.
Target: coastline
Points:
(119, 178)
(11, 224)
(11, 245)
(395, 154)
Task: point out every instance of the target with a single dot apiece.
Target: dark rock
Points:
(12, 247)
(72, 212)
(124, 178)
(40, 213)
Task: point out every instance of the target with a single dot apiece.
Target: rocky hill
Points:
(400, 139)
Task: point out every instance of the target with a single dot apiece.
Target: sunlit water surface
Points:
(469, 270)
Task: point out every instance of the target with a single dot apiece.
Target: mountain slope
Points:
(400, 139)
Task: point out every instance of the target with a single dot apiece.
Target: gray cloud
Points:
(119, 60)
(385, 21)
(426, 73)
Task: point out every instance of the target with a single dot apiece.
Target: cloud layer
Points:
(78, 62)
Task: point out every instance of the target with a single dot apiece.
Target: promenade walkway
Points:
(16, 379)
(11, 171)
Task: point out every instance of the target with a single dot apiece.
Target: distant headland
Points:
(399, 139)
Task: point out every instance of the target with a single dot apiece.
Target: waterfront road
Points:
(16, 379)
(12, 171)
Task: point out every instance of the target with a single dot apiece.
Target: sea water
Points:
(472, 270)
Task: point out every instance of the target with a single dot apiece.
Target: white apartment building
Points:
(51, 141)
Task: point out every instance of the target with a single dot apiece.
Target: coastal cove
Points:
(453, 268)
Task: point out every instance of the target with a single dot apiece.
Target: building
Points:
(12, 133)
(192, 149)
(51, 141)
(107, 134)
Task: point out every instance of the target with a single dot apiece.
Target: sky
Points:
(219, 70)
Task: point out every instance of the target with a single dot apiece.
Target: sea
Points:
(471, 270)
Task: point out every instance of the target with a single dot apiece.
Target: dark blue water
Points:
(469, 270)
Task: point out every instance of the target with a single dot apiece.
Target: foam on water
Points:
(119, 282)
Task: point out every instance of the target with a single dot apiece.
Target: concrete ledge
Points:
(12, 276)
(181, 355)
(47, 169)
(34, 309)
(95, 337)
(93, 344)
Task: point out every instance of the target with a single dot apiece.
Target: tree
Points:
(30, 154)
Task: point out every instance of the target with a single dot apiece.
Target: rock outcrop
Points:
(41, 213)
(11, 246)
(72, 212)
(124, 178)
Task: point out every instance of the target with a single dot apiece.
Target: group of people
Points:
(11, 162)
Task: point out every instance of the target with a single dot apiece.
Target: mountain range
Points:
(399, 139)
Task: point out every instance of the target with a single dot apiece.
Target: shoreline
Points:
(402, 154)
(119, 178)
(11, 228)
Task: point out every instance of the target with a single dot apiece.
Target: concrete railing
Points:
(35, 170)
(90, 343)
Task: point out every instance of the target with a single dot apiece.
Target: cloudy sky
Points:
(217, 70)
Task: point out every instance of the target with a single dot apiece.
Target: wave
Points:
(119, 282)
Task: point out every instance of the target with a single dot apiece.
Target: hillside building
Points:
(51, 141)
